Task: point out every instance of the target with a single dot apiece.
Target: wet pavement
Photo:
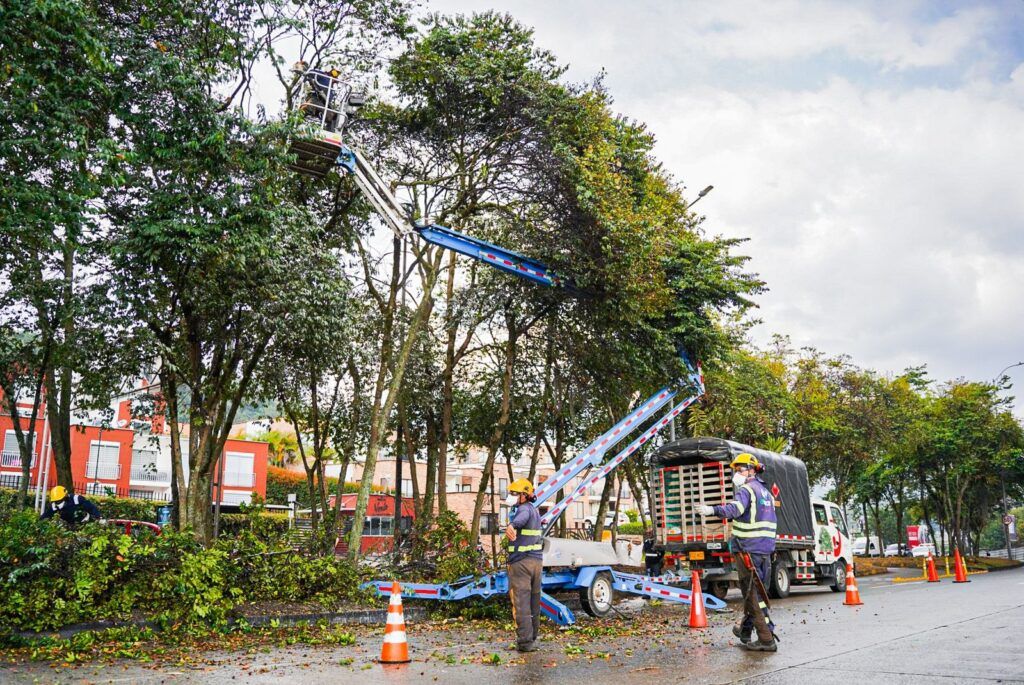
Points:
(904, 633)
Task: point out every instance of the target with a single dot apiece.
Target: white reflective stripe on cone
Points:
(395, 619)
(396, 637)
(396, 599)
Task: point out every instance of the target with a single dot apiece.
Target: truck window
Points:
(820, 516)
(840, 521)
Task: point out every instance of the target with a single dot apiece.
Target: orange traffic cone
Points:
(933, 576)
(852, 593)
(961, 567)
(698, 617)
(395, 649)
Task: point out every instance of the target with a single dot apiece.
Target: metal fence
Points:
(1016, 553)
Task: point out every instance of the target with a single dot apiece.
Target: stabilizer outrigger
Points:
(570, 565)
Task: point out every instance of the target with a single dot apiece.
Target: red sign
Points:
(913, 536)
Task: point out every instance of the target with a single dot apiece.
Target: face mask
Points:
(738, 479)
(512, 500)
(60, 505)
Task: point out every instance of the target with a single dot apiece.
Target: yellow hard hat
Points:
(745, 459)
(58, 493)
(522, 485)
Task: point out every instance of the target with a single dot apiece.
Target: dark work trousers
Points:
(654, 567)
(754, 607)
(524, 591)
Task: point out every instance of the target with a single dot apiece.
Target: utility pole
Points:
(1006, 524)
(1002, 477)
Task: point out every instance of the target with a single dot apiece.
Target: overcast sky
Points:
(873, 155)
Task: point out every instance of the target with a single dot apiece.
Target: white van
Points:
(861, 549)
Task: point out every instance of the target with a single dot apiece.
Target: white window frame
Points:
(239, 478)
(98, 465)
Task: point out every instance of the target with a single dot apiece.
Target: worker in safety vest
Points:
(73, 509)
(752, 513)
(654, 558)
(525, 552)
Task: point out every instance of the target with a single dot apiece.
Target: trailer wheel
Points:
(597, 599)
(779, 588)
(840, 576)
(719, 589)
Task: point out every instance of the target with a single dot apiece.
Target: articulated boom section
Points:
(594, 454)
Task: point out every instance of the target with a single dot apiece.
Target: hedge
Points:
(52, 576)
(110, 507)
(282, 482)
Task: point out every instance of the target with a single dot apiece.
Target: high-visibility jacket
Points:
(752, 513)
(529, 540)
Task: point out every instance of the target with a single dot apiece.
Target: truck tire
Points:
(839, 573)
(597, 599)
(719, 589)
(780, 581)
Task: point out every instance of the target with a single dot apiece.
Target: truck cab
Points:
(832, 545)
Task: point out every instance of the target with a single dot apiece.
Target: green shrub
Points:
(265, 524)
(631, 528)
(125, 508)
(447, 544)
(52, 576)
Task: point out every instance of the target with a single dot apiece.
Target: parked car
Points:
(861, 549)
(623, 519)
(896, 550)
(923, 550)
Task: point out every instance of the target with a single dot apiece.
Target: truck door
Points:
(843, 546)
(823, 537)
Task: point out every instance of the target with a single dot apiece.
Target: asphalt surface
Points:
(904, 633)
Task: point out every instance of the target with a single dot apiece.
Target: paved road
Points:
(904, 633)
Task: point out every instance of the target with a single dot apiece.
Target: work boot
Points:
(527, 646)
(758, 646)
(743, 635)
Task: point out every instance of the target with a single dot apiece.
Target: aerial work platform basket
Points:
(328, 104)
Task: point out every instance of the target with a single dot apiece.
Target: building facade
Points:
(127, 457)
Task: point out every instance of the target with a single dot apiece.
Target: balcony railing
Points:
(13, 459)
(150, 475)
(239, 479)
(102, 471)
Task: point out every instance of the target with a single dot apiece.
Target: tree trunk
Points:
(498, 434)
(383, 404)
(602, 508)
(447, 389)
(58, 409)
(426, 511)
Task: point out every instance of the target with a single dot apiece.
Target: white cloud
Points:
(886, 215)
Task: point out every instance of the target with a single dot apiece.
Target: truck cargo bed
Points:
(695, 471)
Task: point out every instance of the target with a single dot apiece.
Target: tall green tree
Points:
(57, 94)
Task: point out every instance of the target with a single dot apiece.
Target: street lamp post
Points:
(702, 194)
(1002, 480)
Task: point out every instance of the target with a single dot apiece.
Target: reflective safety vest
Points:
(754, 521)
(529, 540)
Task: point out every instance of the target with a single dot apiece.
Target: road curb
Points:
(358, 617)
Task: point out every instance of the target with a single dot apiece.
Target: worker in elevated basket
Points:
(752, 513)
(525, 552)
